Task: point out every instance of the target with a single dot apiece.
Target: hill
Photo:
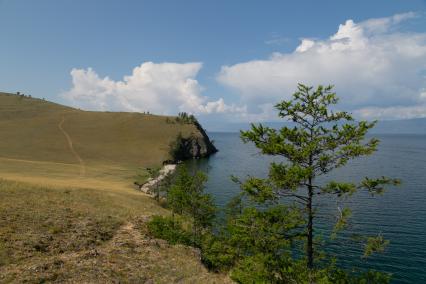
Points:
(68, 210)
(50, 143)
(77, 235)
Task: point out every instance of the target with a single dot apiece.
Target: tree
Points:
(185, 118)
(320, 141)
(264, 239)
(177, 148)
(186, 197)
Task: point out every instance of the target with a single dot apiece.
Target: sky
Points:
(224, 61)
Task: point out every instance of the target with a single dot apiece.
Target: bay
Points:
(399, 215)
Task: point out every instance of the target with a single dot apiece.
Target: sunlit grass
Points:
(59, 225)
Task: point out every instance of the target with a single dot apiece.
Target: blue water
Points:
(399, 215)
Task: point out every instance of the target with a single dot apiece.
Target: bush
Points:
(253, 270)
(178, 148)
(168, 229)
(217, 254)
(184, 118)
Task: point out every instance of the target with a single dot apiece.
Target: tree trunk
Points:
(310, 246)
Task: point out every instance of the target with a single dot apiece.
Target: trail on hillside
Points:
(34, 161)
(129, 256)
(70, 145)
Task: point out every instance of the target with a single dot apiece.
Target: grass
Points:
(59, 223)
(87, 235)
(112, 145)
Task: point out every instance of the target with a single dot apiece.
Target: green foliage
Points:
(261, 237)
(169, 229)
(255, 244)
(185, 118)
(256, 269)
(146, 173)
(371, 277)
(262, 240)
(320, 141)
(376, 186)
(186, 197)
(177, 148)
(153, 172)
(269, 231)
(217, 253)
(264, 268)
(375, 244)
(342, 221)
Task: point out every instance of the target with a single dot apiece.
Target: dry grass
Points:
(87, 236)
(61, 224)
(112, 145)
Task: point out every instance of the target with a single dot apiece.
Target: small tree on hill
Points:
(186, 197)
(177, 148)
(321, 141)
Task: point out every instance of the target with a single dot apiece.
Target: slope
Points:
(68, 211)
(48, 143)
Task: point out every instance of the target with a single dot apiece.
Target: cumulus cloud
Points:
(164, 88)
(378, 71)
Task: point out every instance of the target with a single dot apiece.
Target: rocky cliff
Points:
(197, 145)
(201, 145)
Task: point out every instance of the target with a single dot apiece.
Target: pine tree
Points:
(320, 141)
(187, 197)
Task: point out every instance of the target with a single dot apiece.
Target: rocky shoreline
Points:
(151, 183)
(196, 146)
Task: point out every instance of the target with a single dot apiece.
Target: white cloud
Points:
(305, 45)
(384, 24)
(164, 88)
(397, 112)
(377, 70)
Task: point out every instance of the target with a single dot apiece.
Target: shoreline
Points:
(149, 185)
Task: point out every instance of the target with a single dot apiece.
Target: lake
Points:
(399, 215)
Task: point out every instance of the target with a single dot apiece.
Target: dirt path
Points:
(129, 256)
(35, 162)
(70, 145)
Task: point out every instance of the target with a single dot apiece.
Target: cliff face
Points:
(200, 146)
(197, 145)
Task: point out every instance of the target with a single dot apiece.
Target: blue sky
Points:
(222, 60)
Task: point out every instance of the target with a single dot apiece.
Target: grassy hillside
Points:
(68, 211)
(48, 143)
(76, 235)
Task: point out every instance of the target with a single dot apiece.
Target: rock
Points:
(153, 182)
(197, 145)
(204, 146)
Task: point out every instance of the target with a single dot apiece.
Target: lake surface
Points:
(399, 215)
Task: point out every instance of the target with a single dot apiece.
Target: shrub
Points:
(178, 148)
(217, 254)
(184, 118)
(169, 229)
